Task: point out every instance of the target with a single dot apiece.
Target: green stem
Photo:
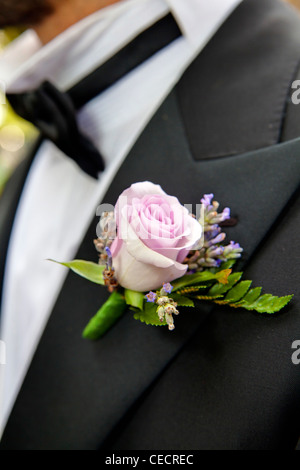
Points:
(106, 317)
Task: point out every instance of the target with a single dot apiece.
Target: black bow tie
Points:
(53, 112)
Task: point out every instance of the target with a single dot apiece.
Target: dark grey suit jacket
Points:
(224, 379)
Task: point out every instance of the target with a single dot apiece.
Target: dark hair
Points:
(23, 12)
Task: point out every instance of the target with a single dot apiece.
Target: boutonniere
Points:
(156, 257)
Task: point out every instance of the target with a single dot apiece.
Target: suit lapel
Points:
(241, 81)
(87, 387)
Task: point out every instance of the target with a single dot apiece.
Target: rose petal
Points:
(142, 277)
(155, 234)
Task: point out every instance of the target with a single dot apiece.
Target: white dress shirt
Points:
(59, 200)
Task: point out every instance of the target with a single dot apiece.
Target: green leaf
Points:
(219, 289)
(202, 277)
(149, 315)
(106, 317)
(225, 265)
(252, 296)
(183, 301)
(91, 271)
(134, 299)
(238, 291)
(267, 303)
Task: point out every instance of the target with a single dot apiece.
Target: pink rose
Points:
(154, 235)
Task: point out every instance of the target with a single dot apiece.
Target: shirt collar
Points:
(195, 17)
(31, 55)
(18, 53)
(21, 61)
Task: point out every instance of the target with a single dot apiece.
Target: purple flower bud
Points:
(206, 200)
(167, 288)
(235, 246)
(232, 251)
(219, 238)
(225, 214)
(213, 252)
(109, 258)
(212, 233)
(151, 297)
(108, 252)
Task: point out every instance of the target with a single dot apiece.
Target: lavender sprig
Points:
(211, 217)
(212, 253)
(166, 307)
(107, 235)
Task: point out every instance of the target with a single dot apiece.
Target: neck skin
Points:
(65, 14)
